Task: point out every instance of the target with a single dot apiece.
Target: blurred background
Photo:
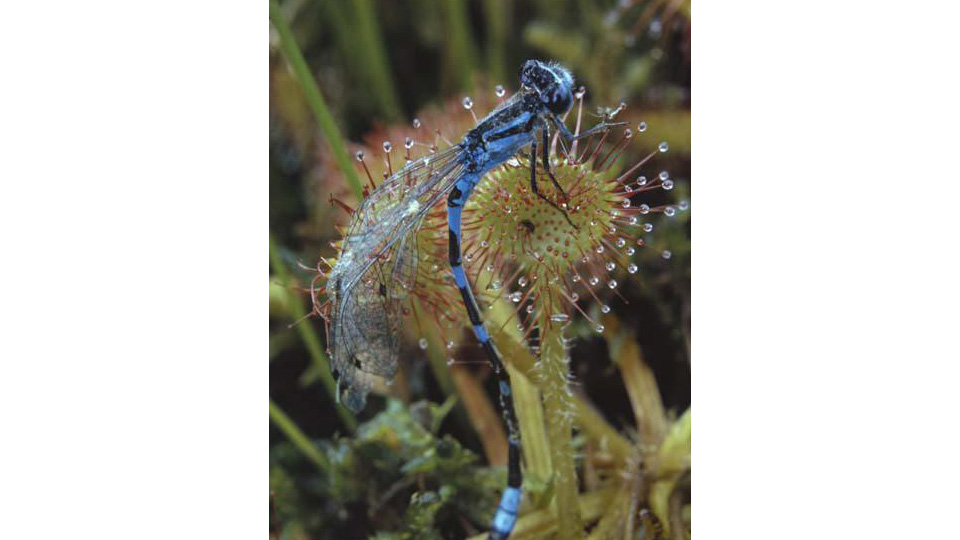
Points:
(379, 64)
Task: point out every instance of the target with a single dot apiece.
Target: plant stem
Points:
(290, 429)
(309, 337)
(558, 407)
(314, 98)
(518, 355)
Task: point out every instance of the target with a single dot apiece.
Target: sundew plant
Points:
(585, 292)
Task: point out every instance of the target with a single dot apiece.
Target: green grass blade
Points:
(317, 104)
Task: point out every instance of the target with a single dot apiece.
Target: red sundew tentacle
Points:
(341, 204)
(620, 257)
(572, 191)
(617, 147)
(586, 149)
(577, 306)
(363, 163)
(637, 166)
(573, 146)
(590, 290)
(440, 137)
(596, 151)
(617, 292)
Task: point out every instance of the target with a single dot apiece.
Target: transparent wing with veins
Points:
(377, 269)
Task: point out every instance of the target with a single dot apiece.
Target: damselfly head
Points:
(551, 81)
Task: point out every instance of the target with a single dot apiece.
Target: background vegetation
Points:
(417, 465)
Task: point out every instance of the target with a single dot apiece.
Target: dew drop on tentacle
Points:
(423, 343)
(632, 268)
(599, 328)
(408, 143)
(610, 266)
(416, 123)
(499, 90)
(669, 211)
(467, 103)
(641, 127)
(580, 92)
(664, 175)
(668, 185)
(644, 208)
(647, 227)
(663, 146)
(684, 205)
(387, 146)
(359, 155)
(605, 309)
(612, 284)
(594, 280)
(666, 254)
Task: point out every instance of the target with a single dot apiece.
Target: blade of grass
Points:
(309, 337)
(297, 437)
(669, 465)
(317, 104)
(639, 380)
(375, 59)
(460, 50)
(497, 16)
(484, 417)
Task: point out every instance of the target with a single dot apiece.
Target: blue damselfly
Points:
(377, 267)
